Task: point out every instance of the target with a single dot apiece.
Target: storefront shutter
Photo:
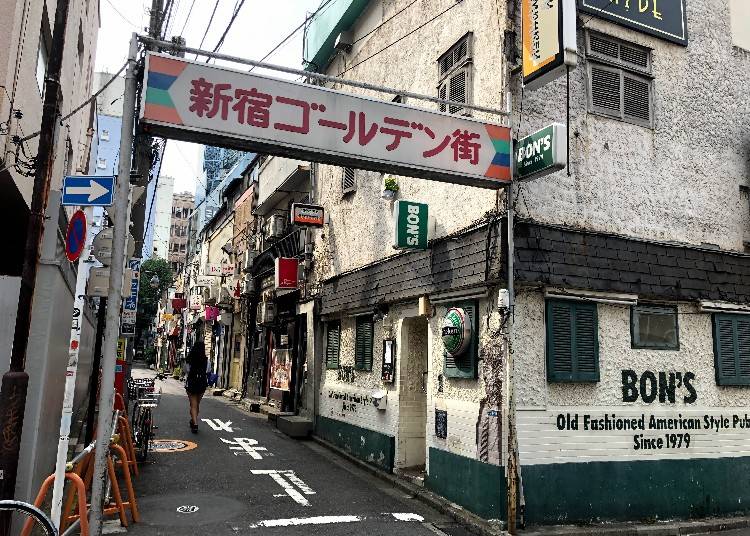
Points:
(732, 349)
(464, 366)
(572, 341)
(363, 344)
(333, 345)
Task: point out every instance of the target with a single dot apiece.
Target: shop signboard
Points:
(549, 40)
(281, 369)
(286, 273)
(307, 215)
(213, 269)
(542, 152)
(410, 225)
(130, 300)
(665, 19)
(201, 102)
(456, 331)
(205, 280)
(227, 269)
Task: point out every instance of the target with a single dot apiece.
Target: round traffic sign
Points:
(75, 238)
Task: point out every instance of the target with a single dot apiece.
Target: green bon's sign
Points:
(456, 331)
(411, 225)
(542, 152)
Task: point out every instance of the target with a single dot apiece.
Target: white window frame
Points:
(465, 65)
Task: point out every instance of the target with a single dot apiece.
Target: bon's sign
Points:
(219, 106)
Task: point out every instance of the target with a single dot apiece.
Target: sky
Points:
(259, 27)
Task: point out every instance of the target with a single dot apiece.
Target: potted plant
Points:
(390, 188)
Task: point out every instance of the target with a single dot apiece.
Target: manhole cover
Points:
(187, 509)
(171, 445)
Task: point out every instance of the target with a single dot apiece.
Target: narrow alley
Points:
(228, 484)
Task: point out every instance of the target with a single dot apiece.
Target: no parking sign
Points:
(75, 237)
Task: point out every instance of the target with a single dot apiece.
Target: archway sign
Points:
(215, 105)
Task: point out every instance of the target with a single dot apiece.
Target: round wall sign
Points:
(75, 237)
(456, 331)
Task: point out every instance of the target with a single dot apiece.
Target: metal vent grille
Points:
(605, 89)
(635, 56)
(348, 183)
(602, 46)
(457, 89)
(636, 98)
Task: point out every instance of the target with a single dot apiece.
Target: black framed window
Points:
(333, 344)
(655, 327)
(572, 341)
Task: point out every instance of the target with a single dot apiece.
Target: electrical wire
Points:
(400, 38)
(210, 20)
(123, 17)
(386, 21)
(190, 11)
(229, 26)
(164, 17)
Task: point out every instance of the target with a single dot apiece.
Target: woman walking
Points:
(197, 379)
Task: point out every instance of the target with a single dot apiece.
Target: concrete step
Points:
(294, 426)
(274, 413)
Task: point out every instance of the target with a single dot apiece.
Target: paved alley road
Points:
(248, 478)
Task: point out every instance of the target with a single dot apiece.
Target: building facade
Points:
(182, 208)
(161, 217)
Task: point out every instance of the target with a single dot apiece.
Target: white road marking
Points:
(288, 486)
(407, 517)
(219, 425)
(297, 521)
(246, 445)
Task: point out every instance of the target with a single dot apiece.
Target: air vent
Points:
(634, 56)
(348, 182)
(605, 47)
(636, 98)
(605, 90)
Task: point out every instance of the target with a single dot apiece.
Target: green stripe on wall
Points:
(372, 447)
(159, 96)
(638, 490)
(477, 486)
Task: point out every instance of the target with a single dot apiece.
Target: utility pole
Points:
(114, 298)
(15, 382)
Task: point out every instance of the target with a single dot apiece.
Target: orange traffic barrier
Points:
(131, 503)
(126, 436)
(80, 492)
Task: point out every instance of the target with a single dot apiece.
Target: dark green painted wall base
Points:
(377, 449)
(642, 490)
(477, 486)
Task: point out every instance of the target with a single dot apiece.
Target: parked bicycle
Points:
(30, 511)
(143, 394)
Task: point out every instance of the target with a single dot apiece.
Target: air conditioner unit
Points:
(275, 226)
(266, 313)
(247, 259)
(214, 292)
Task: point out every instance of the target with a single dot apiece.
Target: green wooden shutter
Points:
(732, 349)
(464, 366)
(363, 344)
(572, 341)
(333, 345)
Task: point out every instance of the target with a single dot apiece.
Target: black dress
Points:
(197, 379)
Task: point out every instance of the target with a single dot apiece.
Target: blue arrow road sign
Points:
(88, 190)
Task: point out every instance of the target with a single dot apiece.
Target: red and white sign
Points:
(227, 269)
(198, 102)
(286, 273)
(307, 215)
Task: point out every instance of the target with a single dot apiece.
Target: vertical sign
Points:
(130, 303)
(549, 40)
(286, 273)
(411, 225)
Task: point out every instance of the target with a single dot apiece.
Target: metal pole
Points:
(117, 268)
(512, 481)
(94, 378)
(84, 265)
(15, 381)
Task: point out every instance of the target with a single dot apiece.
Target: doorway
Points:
(413, 380)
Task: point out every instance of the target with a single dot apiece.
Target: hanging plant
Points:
(391, 184)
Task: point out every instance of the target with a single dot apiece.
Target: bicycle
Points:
(32, 512)
(145, 397)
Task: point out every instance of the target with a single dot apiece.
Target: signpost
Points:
(542, 152)
(75, 237)
(307, 215)
(88, 190)
(130, 303)
(195, 101)
(549, 40)
(410, 225)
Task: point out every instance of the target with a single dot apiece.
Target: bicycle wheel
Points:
(145, 435)
(31, 512)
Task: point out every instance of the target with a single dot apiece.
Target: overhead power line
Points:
(229, 26)
(123, 17)
(216, 5)
(190, 11)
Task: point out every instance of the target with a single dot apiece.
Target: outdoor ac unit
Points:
(266, 313)
(275, 226)
(344, 41)
(247, 259)
(214, 292)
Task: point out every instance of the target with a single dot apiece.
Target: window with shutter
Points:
(333, 345)
(363, 343)
(732, 349)
(572, 341)
(465, 365)
(619, 80)
(348, 182)
(455, 76)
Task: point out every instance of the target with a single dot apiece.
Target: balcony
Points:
(278, 178)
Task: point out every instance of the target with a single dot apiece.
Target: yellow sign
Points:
(121, 344)
(167, 316)
(549, 43)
